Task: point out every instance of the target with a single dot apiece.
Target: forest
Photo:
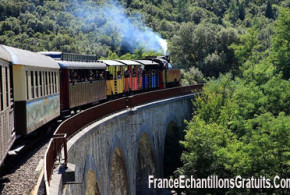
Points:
(239, 48)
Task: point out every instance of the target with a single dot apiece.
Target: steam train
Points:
(36, 88)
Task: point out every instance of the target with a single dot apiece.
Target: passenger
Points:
(91, 76)
(75, 79)
(127, 74)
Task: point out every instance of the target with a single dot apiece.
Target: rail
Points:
(74, 124)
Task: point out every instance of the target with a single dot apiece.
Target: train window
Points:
(7, 86)
(55, 90)
(32, 84)
(110, 72)
(27, 86)
(127, 72)
(74, 76)
(118, 69)
(46, 83)
(99, 75)
(55, 83)
(40, 83)
(54, 76)
(102, 74)
(70, 76)
(11, 87)
(87, 75)
(49, 83)
(92, 75)
(36, 84)
(84, 75)
(79, 75)
(1, 88)
(52, 83)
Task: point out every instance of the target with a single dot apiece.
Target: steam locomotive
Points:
(36, 88)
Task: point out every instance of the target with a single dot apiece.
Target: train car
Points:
(133, 75)
(115, 77)
(81, 83)
(150, 74)
(36, 89)
(82, 80)
(7, 131)
(168, 75)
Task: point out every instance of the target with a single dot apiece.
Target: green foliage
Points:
(281, 46)
(191, 77)
(204, 46)
(42, 21)
(241, 124)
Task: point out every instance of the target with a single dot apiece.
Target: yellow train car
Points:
(115, 77)
(171, 77)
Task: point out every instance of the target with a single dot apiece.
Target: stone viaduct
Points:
(116, 154)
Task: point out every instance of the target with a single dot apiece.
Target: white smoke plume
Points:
(132, 30)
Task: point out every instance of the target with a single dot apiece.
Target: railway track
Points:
(22, 169)
(23, 166)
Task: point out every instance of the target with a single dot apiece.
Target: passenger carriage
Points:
(150, 74)
(82, 80)
(133, 75)
(114, 77)
(168, 75)
(7, 133)
(36, 89)
(81, 83)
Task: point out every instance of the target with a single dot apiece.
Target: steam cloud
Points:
(132, 30)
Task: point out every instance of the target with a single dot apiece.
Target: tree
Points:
(280, 51)
(191, 77)
(242, 11)
(269, 11)
(241, 124)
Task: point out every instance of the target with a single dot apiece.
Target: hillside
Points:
(97, 27)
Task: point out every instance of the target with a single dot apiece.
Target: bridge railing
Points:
(74, 124)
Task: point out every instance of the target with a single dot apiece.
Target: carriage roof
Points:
(81, 65)
(147, 62)
(4, 55)
(112, 62)
(28, 58)
(129, 62)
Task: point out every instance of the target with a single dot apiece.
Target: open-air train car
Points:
(81, 83)
(150, 74)
(7, 133)
(36, 89)
(133, 75)
(115, 77)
